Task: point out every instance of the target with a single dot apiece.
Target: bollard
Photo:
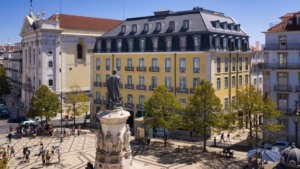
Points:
(215, 141)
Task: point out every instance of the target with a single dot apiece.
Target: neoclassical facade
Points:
(56, 51)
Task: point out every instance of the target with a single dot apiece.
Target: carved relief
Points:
(100, 140)
(127, 138)
(108, 142)
(119, 142)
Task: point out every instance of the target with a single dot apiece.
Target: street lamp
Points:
(296, 118)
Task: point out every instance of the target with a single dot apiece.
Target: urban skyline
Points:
(261, 13)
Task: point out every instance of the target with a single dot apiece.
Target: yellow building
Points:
(175, 49)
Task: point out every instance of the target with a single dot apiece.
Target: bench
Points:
(227, 152)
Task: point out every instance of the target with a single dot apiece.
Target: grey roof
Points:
(200, 21)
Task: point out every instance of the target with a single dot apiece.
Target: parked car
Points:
(159, 132)
(2, 105)
(4, 112)
(280, 144)
(17, 119)
(29, 123)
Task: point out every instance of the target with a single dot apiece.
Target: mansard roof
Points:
(288, 23)
(199, 20)
(86, 23)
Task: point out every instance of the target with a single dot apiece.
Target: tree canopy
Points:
(162, 110)
(4, 85)
(76, 101)
(44, 103)
(203, 110)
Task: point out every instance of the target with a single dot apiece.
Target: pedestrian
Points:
(27, 156)
(89, 165)
(9, 137)
(222, 138)
(58, 154)
(228, 137)
(24, 151)
(10, 129)
(8, 150)
(48, 156)
(43, 158)
(12, 151)
(78, 130)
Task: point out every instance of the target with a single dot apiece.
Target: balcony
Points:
(182, 70)
(129, 86)
(141, 68)
(140, 106)
(167, 69)
(97, 101)
(284, 88)
(99, 84)
(120, 86)
(118, 68)
(141, 87)
(152, 87)
(192, 90)
(281, 66)
(107, 67)
(297, 88)
(153, 69)
(274, 46)
(285, 111)
(97, 67)
(182, 90)
(129, 105)
(196, 70)
(129, 68)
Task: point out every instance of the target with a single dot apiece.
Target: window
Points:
(171, 26)
(196, 82)
(129, 62)
(141, 80)
(146, 27)
(168, 83)
(183, 102)
(119, 45)
(142, 44)
(186, 24)
(50, 82)
(154, 62)
(107, 77)
(155, 43)
(154, 81)
(98, 63)
(240, 64)
(233, 81)
(79, 51)
(196, 65)
(50, 63)
(246, 79)
(141, 62)
(197, 41)
(226, 83)
(218, 83)
(239, 44)
(225, 43)
(123, 29)
(118, 62)
(282, 101)
(218, 65)
(240, 80)
(167, 64)
(158, 27)
(283, 79)
(98, 78)
(130, 44)
(134, 28)
(282, 59)
(226, 64)
(168, 40)
(246, 63)
(182, 82)
(182, 43)
(141, 100)
(233, 64)
(226, 103)
(217, 24)
(129, 80)
(260, 81)
(233, 100)
(107, 63)
(282, 41)
(182, 65)
(225, 25)
(98, 95)
(129, 99)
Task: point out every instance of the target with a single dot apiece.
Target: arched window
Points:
(79, 52)
(50, 63)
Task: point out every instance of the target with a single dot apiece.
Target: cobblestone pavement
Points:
(76, 151)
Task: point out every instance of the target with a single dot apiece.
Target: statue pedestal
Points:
(113, 149)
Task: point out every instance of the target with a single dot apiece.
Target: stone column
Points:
(113, 148)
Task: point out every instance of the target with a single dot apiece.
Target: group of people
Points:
(35, 130)
(47, 155)
(7, 152)
(222, 137)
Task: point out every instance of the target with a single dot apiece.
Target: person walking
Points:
(89, 165)
(222, 138)
(43, 158)
(78, 130)
(228, 137)
(12, 151)
(48, 156)
(24, 151)
(9, 137)
(58, 154)
(8, 150)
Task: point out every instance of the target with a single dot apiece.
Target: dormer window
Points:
(130, 44)
(123, 29)
(108, 45)
(225, 25)
(197, 42)
(186, 24)
(169, 43)
(134, 28)
(119, 45)
(232, 27)
(142, 44)
(171, 25)
(158, 27)
(182, 43)
(155, 44)
(238, 27)
(146, 27)
(217, 24)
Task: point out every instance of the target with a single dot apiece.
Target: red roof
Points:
(87, 23)
(289, 23)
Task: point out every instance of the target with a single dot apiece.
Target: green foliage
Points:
(162, 110)
(44, 103)
(4, 85)
(204, 110)
(76, 102)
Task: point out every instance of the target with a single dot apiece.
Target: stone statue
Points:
(127, 138)
(114, 95)
(119, 142)
(100, 140)
(108, 142)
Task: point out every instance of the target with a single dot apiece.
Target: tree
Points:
(77, 102)
(252, 103)
(4, 85)
(162, 111)
(203, 110)
(44, 103)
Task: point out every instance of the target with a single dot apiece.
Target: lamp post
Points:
(296, 118)
(17, 110)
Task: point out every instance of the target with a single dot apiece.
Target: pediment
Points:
(27, 25)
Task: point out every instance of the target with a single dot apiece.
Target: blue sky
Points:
(254, 16)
